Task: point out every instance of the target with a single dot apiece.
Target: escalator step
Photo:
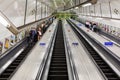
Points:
(58, 65)
(58, 68)
(58, 72)
(58, 77)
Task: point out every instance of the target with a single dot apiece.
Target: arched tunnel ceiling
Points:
(64, 4)
(57, 4)
(60, 4)
(14, 10)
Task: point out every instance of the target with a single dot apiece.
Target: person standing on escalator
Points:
(32, 35)
(39, 34)
(43, 27)
(94, 28)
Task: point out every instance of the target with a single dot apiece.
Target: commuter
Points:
(43, 27)
(39, 33)
(90, 25)
(46, 25)
(27, 34)
(32, 35)
(98, 30)
(87, 24)
(36, 37)
(94, 28)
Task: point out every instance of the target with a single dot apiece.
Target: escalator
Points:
(106, 70)
(58, 66)
(8, 73)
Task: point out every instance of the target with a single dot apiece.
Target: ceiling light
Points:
(99, 18)
(76, 7)
(87, 4)
(4, 22)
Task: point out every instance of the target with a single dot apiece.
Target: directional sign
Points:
(108, 43)
(75, 43)
(42, 44)
(79, 25)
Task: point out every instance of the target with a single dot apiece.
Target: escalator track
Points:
(7, 74)
(58, 65)
(103, 66)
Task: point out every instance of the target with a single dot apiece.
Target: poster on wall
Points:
(107, 28)
(111, 29)
(20, 36)
(12, 40)
(118, 32)
(16, 38)
(6, 43)
(23, 34)
(1, 47)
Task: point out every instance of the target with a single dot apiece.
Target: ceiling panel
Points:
(14, 10)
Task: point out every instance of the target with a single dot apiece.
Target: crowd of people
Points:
(92, 26)
(35, 34)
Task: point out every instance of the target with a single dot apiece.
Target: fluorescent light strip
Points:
(55, 3)
(4, 22)
(76, 7)
(87, 4)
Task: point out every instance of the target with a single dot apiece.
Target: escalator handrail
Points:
(70, 58)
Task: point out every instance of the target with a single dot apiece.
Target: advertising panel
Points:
(1, 47)
(12, 40)
(7, 45)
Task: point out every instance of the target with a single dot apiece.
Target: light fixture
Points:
(87, 4)
(90, 17)
(99, 18)
(76, 7)
(4, 22)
